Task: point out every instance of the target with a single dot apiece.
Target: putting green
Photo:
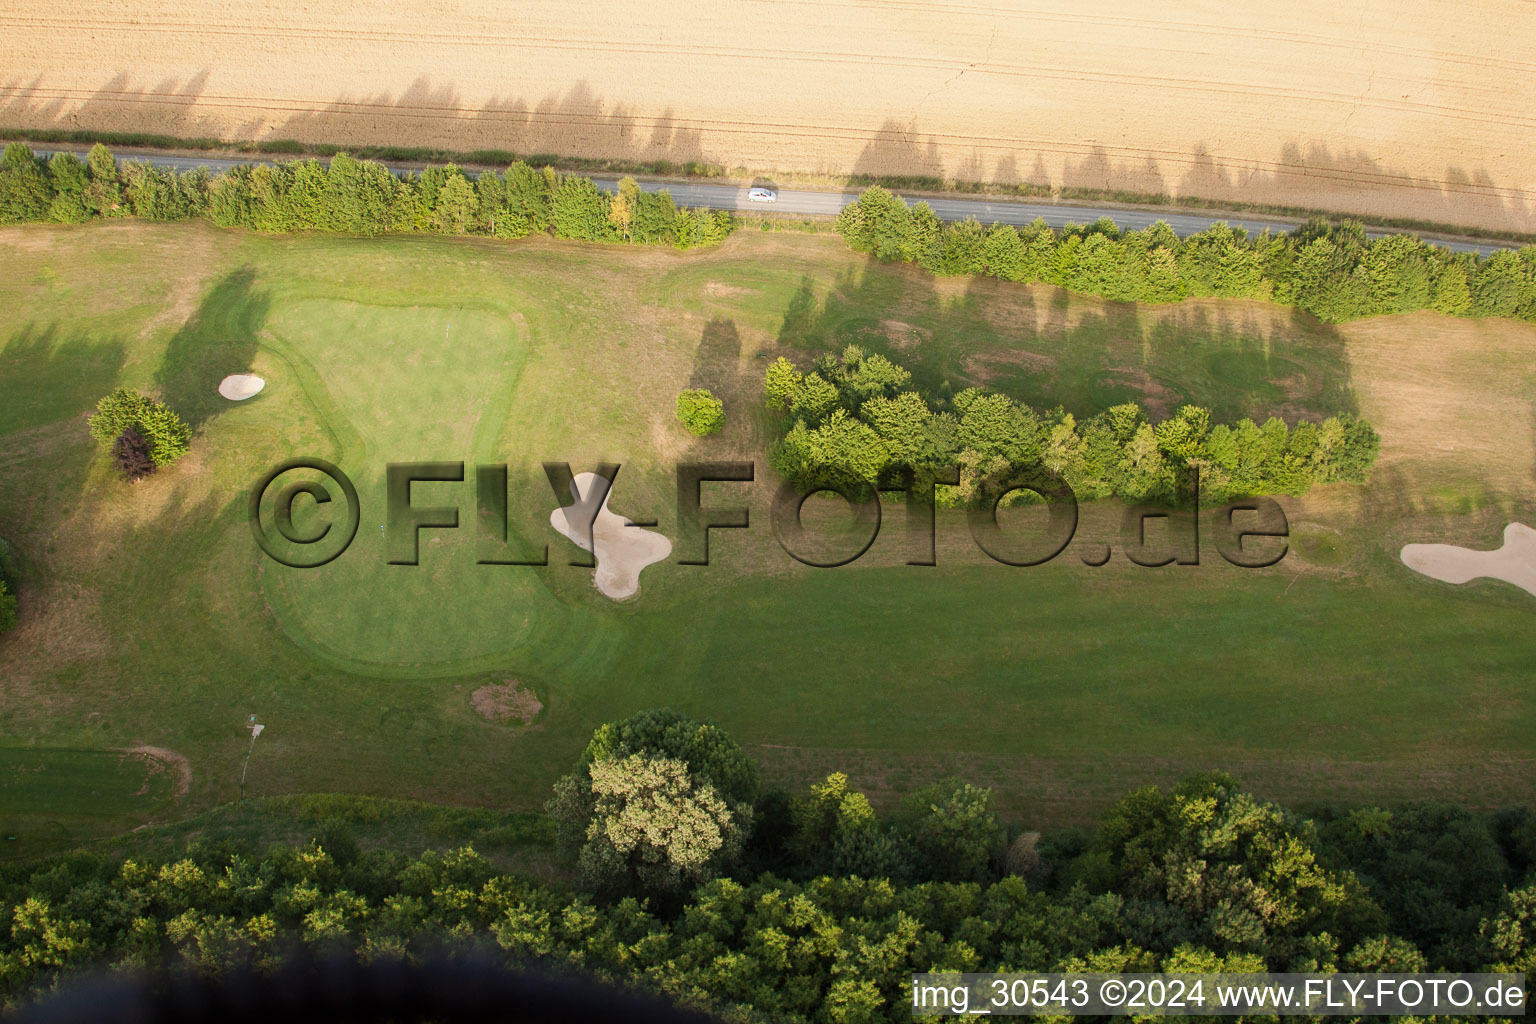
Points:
(407, 384)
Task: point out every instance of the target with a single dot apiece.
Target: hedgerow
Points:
(1332, 270)
(351, 196)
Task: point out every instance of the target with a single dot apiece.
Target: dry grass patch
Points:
(1449, 396)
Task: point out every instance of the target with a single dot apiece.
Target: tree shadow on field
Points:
(217, 340)
(1047, 346)
(46, 377)
(717, 361)
(1317, 176)
(800, 317)
(576, 124)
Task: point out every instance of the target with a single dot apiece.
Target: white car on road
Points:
(762, 195)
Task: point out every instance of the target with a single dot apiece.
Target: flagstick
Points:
(255, 731)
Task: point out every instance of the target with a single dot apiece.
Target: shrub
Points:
(167, 434)
(7, 608)
(701, 412)
(130, 453)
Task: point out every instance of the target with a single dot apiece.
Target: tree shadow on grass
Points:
(1048, 346)
(716, 362)
(47, 377)
(217, 340)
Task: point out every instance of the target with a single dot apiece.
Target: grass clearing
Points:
(150, 617)
(50, 795)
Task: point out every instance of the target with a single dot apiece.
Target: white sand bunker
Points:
(1515, 562)
(620, 548)
(237, 387)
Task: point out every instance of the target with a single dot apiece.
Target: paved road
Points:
(829, 202)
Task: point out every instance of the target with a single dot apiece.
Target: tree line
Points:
(852, 418)
(694, 880)
(351, 196)
(1331, 270)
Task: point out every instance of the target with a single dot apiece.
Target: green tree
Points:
(842, 452)
(878, 223)
(103, 194)
(781, 384)
(67, 176)
(707, 749)
(815, 398)
(528, 201)
(458, 206)
(828, 810)
(1004, 254)
(903, 424)
(24, 192)
(1507, 939)
(700, 411)
(954, 829)
(7, 607)
(1244, 875)
(655, 218)
(579, 209)
(649, 826)
(1451, 292)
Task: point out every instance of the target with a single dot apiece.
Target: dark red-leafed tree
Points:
(130, 453)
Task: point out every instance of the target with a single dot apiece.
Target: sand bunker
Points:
(237, 387)
(620, 548)
(1515, 562)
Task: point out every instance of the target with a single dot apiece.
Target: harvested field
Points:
(1410, 109)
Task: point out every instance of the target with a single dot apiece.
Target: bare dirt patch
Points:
(904, 337)
(983, 367)
(1156, 398)
(506, 700)
(158, 760)
(721, 290)
(59, 623)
